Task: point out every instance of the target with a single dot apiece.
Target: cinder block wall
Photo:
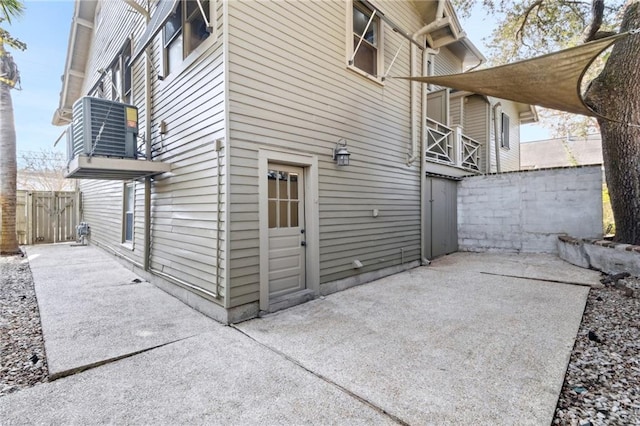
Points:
(526, 211)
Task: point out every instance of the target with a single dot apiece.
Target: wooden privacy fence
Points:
(47, 217)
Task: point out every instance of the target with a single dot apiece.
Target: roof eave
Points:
(83, 16)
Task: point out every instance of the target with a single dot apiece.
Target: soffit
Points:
(78, 50)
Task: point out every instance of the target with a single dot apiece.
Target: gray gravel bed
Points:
(22, 357)
(602, 384)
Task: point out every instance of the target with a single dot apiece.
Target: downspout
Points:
(148, 155)
(415, 155)
(496, 133)
(423, 129)
(423, 162)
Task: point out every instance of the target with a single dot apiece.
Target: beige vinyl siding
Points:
(293, 92)
(185, 231)
(510, 158)
(456, 111)
(102, 201)
(446, 62)
(476, 119)
(184, 203)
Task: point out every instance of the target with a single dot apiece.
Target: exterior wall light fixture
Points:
(341, 154)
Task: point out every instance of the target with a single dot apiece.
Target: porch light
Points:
(341, 154)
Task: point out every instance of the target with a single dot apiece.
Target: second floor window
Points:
(185, 30)
(505, 131)
(367, 30)
(115, 83)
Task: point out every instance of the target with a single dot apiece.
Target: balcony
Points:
(447, 145)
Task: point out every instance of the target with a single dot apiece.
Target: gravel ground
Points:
(602, 384)
(22, 358)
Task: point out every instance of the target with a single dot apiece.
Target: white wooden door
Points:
(286, 230)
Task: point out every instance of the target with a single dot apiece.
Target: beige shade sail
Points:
(550, 81)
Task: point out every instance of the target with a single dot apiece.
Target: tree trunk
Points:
(614, 94)
(8, 170)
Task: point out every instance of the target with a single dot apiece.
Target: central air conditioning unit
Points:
(103, 128)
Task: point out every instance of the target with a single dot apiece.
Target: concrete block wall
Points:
(526, 211)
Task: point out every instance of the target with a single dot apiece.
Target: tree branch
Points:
(525, 18)
(597, 15)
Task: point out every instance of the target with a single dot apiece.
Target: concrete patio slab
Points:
(446, 344)
(440, 345)
(92, 311)
(219, 377)
(535, 266)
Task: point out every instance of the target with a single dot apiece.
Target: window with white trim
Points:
(115, 83)
(185, 30)
(504, 134)
(129, 196)
(366, 48)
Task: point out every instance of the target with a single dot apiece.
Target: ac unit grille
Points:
(103, 128)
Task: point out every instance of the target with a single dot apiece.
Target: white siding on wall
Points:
(293, 91)
(476, 120)
(510, 158)
(446, 62)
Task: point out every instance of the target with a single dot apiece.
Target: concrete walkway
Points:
(456, 342)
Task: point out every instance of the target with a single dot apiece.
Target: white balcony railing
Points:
(448, 145)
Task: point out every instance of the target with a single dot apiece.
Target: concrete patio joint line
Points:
(544, 279)
(76, 370)
(365, 401)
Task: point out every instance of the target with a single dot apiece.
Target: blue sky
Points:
(45, 28)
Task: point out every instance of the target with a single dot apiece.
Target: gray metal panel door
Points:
(442, 217)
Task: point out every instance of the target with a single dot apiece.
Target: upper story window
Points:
(185, 30)
(367, 41)
(504, 134)
(115, 83)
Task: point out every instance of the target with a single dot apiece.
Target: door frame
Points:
(309, 164)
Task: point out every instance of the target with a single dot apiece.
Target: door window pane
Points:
(293, 183)
(283, 178)
(294, 213)
(283, 212)
(271, 179)
(273, 214)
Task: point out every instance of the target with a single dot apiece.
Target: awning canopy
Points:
(159, 18)
(550, 81)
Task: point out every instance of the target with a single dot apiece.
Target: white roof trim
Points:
(82, 9)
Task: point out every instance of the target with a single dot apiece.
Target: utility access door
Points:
(287, 238)
(442, 217)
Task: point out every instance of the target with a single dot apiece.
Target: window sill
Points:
(127, 245)
(368, 76)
